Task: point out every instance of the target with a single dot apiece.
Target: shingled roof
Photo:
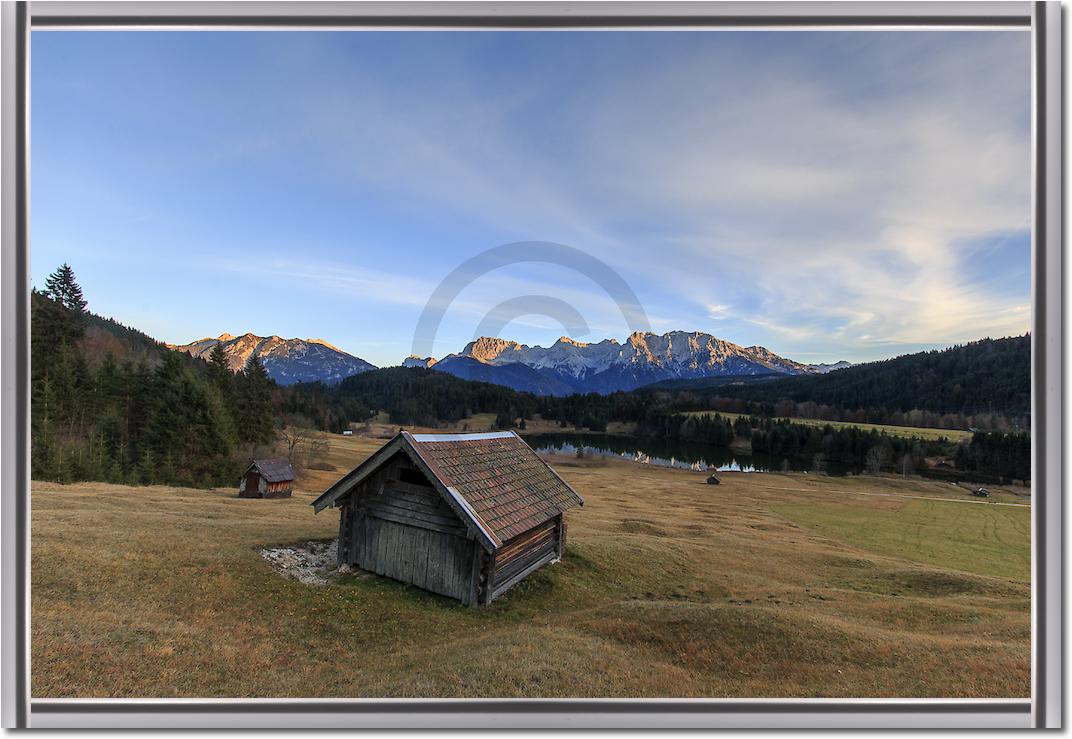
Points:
(273, 470)
(496, 482)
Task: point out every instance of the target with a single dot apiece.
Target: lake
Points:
(669, 453)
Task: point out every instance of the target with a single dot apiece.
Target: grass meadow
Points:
(768, 585)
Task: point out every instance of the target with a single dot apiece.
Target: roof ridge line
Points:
(426, 438)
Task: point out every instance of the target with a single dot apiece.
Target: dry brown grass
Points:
(670, 588)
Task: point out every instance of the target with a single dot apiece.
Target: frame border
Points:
(1045, 708)
(14, 364)
(1047, 389)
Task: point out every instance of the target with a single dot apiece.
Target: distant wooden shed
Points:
(267, 478)
(463, 515)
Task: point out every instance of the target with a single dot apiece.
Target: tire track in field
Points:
(1025, 506)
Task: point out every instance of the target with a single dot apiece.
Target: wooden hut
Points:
(267, 478)
(463, 515)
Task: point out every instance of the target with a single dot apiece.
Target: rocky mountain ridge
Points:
(287, 360)
(571, 366)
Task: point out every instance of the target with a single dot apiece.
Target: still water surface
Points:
(669, 453)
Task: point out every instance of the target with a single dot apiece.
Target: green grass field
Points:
(905, 431)
(981, 539)
(768, 585)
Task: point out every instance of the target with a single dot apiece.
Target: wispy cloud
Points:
(821, 193)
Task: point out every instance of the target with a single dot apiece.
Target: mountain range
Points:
(569, 366)
(564, 368)
(287, 360)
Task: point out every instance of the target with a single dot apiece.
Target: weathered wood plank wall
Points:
(429, 559)
(406, 531)
(522, 555)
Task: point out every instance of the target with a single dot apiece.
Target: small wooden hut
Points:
(267, 478)
(463, 515)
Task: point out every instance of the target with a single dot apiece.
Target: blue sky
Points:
(829, 195)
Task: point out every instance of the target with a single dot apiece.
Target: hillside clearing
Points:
(767, 586)
(908, 432)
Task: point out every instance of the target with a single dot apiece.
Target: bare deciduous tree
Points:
(907, 464)
(877, 457)
(818, 463)
(302, 446)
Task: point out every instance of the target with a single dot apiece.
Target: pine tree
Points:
(254, 417)
(62, 288)
(218, 369)
(146, 468)
(221, 377)
(165, 410)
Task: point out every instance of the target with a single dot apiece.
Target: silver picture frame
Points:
(1044, 709)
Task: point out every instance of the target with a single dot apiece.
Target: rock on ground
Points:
(310, 562)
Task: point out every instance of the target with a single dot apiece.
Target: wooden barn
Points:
(463, 515)
(267, 478)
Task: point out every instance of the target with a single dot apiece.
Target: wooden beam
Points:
(407, 521)
(520, 576)
(409, 487)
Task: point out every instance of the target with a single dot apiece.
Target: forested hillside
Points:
(986, 378)
(110, 403)
(412, 396)
(424, 397)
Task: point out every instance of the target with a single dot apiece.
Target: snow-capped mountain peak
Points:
(824, 368)
(608, 365)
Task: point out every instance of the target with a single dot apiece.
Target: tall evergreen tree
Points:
(254, 415)
(218, 369)
(62, 288)
(220, 375)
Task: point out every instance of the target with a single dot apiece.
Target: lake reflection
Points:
(664, 453)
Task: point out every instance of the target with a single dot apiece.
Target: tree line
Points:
(1005, 456)
(995, 455)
